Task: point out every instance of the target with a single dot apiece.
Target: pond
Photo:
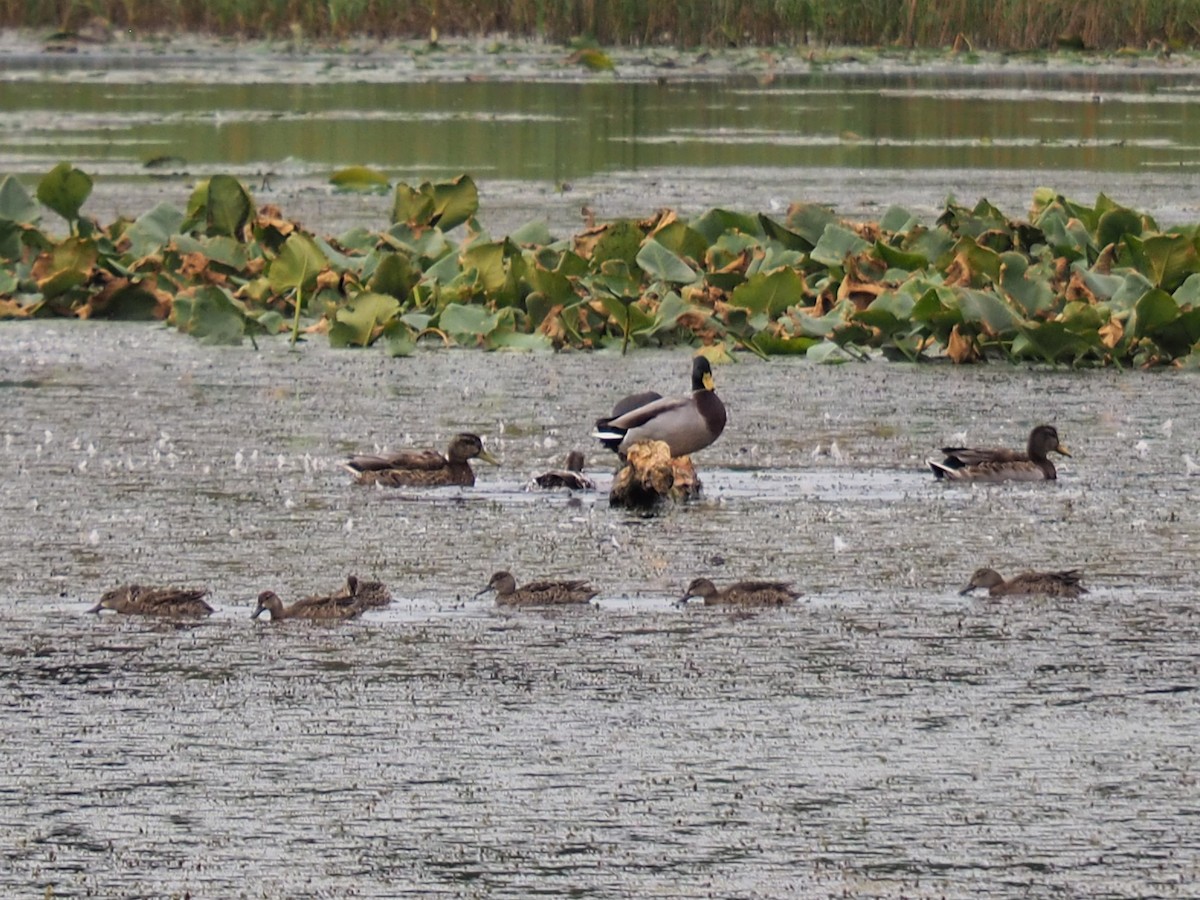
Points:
(884, 737)
(544, 138)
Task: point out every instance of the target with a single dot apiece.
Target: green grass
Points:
(1019, 25)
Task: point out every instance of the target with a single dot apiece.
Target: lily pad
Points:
(361, 179)
(65, 189)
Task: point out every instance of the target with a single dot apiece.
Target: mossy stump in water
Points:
(651, 476)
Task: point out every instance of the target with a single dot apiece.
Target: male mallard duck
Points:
(685, 424)
(422, 468)
(741, 593)
(537, 593)
(176, 603)
(966, 464)
(328, 608)
(369, 594)
(1048, 584)
(572, 477)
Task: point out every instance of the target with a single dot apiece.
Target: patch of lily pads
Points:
(1070, 283)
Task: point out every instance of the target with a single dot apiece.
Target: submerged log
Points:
(651, 476)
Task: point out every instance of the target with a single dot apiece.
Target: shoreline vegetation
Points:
(1159, 26)
(1071, 283)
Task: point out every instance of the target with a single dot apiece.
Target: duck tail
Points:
(940, 470)
(609, 435)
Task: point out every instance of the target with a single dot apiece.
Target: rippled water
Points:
(884, 738)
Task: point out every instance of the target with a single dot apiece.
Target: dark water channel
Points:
(884, 738)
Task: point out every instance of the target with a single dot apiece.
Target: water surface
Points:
(884, 738)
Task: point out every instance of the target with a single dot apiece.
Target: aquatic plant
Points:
(1008, 24)
(1069, 283)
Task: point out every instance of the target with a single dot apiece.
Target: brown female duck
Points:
(169, 602)
(994, 464)
(685, 424)
(741, 593)
(369, 594)
(537, 593)
(572, 477)
(1047, 584)
(422, 468)
(330, 608)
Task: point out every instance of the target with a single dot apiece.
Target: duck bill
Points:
(488, 458)
(96, 609)
(479, 594)
(258, 611)
(966, 590)
(1062, 448)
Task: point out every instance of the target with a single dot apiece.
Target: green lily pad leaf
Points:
(779, 345)
(829, 353)
(518, 340)
(671, 308)
(714, 224)
(939, 309)
(361, 179)
(770, 294)
(989, 311)
(981, 260)
(1033, 295)
(532, 234)
(339, 261)
(457, 319)
(394, 274)
(15, 203)
(270, 321)
(789, 239)
(1153, 311)
(1055, 342)
(897, 220)
(488, 261)
(210, 315)
(297, 266)
(356, 322)
(659, 262)
(823, 326)
(1115, 224)
(1083, 318)
(682, 240)
(361, 239)
(622, 312)
(1064, 235)
(900, 259)
(131, 303)
(809, 220)
(1180, 336)
(1166, 259)
(835, 244)
(454, 202)
(933, 244)
(1132, 289)
(554, 286)
(152, 230)
(224, 251)
(1189, 292)
(398, 340)
(621, 240)
(65, 189)
(228, 206)
(412, 207)
(889, 312)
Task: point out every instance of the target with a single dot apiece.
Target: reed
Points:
(1019, 25)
